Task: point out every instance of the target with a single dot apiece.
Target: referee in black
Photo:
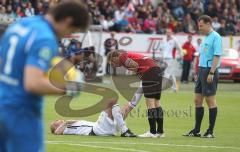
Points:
(207, 79)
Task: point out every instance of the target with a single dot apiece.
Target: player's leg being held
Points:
(118, 117)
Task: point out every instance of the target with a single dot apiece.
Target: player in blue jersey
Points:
(26, 50)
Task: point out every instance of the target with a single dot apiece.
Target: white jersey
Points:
(104, 126)
(168, 47)
(81, 127)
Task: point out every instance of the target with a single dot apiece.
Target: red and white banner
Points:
(145, 43)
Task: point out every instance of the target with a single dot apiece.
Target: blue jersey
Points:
(211, 46)
(29, 41)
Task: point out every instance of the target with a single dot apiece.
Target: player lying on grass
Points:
(151, 76)
(108, 124)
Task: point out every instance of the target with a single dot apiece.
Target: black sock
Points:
(151, 120)
(199, 112)
(159, 119)
(212, 119)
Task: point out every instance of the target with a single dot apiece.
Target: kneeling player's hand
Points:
(126, 109)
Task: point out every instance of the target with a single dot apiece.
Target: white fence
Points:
(147, 43)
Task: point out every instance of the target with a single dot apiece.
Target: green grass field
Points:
(179, 118)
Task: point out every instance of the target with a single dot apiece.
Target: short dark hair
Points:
(205, 18)
(74, 9)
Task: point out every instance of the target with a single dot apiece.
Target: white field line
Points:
(94, 146)
(152, 144)
(170, 145)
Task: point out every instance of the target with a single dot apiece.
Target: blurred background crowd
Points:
(141, 16)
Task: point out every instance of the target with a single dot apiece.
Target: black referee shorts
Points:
(201, 85)
(152, 83)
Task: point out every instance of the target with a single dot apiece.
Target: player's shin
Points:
(159, 120)
(199, 113)
(212, 119)
(151, 120)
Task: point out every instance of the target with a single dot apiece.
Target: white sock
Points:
(174, 87)
(117, 116)
(136, 97)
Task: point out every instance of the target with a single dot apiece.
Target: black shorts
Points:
(152, 83)
(201, 85)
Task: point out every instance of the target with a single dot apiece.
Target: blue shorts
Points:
(202, 86)
(21, 130)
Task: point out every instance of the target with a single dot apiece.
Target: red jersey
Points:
(190, 51)
(144, 63)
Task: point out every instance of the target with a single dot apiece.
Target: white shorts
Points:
(170, 70)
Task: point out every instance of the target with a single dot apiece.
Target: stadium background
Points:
(140, 16)
(141, 20)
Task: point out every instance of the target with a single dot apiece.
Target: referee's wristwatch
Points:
(211, 73)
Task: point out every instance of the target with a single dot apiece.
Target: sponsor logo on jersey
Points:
(45, 53)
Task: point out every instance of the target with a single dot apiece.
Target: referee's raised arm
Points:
(206, 84)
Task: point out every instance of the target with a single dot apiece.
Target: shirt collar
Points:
(209, 32)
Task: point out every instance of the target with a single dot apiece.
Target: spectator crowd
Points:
(141, 16)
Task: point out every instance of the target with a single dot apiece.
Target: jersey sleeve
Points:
(217, 46)
(41, 53)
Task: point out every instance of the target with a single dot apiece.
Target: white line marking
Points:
(94, 146)
(153, 144)
(170, 145)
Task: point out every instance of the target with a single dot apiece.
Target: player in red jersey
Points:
(151, 76)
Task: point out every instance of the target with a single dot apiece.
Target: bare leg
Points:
(198, 100)
(211, 101)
